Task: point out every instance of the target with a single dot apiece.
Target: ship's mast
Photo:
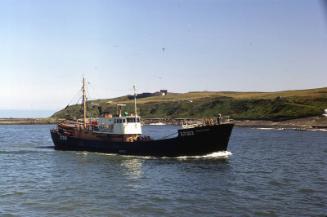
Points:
(135, 108)
(84, 102)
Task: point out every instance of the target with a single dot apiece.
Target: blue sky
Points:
(180, 45)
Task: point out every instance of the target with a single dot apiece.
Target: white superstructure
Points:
(124, 125)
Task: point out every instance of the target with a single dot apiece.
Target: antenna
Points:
(119, 106)
(84, 102)
(135, 108)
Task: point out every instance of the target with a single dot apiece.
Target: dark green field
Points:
(283, 105)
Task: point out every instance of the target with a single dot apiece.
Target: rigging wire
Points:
(90, 89)
(79, 100)
(78, 93)
(89, 97)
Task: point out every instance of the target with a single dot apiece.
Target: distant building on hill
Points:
(163, 92)
(325, 114)
(144, 95)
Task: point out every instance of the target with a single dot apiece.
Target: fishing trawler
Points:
(122, 134)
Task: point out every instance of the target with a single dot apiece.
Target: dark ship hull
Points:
(189, 142)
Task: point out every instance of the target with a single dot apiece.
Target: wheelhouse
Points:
(120, 125)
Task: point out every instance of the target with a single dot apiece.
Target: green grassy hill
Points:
(281, 105)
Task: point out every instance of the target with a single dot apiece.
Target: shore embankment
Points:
(316, 122)
(26, 121)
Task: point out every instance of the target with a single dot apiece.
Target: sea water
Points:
(263, 173)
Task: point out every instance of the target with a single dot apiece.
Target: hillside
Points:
(282, 105)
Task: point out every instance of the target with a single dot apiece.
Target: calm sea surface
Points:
(265, 173)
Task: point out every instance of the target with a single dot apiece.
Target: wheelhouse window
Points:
(118, 121)
(133, 120)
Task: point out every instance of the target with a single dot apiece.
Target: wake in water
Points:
(293, 128)
(214, 155)
(269, 128)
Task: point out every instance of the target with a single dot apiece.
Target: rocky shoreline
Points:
(26, 121)
(317, 122)
(309, 123)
